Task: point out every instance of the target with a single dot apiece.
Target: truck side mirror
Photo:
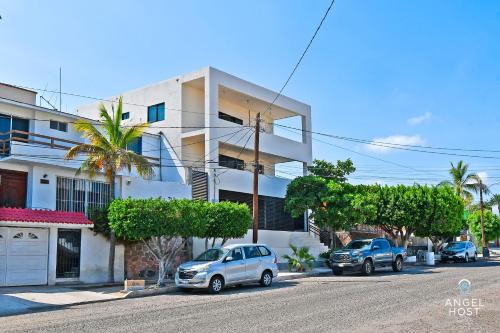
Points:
(375, 247)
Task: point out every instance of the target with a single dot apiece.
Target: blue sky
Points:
(374, 66)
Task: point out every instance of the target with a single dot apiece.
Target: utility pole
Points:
(256, 181)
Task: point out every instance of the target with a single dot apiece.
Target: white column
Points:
(52, 260)
(211, 146)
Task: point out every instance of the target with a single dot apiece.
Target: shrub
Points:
(300, 260)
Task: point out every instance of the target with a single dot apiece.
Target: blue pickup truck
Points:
(364, 255)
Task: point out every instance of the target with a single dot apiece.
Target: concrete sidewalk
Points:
(17, 300)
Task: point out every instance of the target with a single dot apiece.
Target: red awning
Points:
(42, 216)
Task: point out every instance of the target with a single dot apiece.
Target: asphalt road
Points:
(412, 301)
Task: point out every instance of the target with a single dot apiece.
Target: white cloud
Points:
(484, 176)
(378, 147)
(420, 119)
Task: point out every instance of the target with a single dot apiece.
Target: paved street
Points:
(412, 301)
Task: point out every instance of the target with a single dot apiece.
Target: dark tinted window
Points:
(251, 252)
(156, 112)
(135, 145)
(237, 254)
(125, 115)
(264, 251)
(59, 126)
(231, 162)
(230, 118)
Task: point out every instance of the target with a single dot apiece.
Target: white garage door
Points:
(23, 256)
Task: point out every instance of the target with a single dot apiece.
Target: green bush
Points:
(300, 260)
(226, 220)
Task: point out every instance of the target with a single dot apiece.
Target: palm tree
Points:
(107, 153)
(494, 200)
(477, 185)
(460, 178)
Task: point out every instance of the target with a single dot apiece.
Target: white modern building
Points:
(45, 237)
(206, 120)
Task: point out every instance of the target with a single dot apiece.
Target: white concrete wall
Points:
(279, 241)
(242, 181)
(143, 189)
(94, 258)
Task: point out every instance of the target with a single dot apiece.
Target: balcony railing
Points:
(41, 140)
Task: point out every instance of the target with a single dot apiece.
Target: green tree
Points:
(225, 220)
(491, 224)
(477, 185)
(163, 226)
(325, 194)
(106, 152)
(337, 172)
(443, 217)
(460, 178)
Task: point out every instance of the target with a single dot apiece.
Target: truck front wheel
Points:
(397, 265)
(337, 271)
(367, 267)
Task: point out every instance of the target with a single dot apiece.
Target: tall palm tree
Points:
(460, 178)
(477, 185)
(107, 153)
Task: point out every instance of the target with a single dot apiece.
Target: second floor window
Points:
(156, 113)
(227, 117)
(58, 126)
(231, 162)
(135, 145)
(125, 115)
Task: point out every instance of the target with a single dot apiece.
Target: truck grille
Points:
(341, 257)
(187, 275)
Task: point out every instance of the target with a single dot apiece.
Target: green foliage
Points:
(226, 220)
(107, 148)
(140, 219)
(491, 225)
(325, 193)
(99, 217)
(300, 260)
(326, 257)
(402, 210)
(335, 172)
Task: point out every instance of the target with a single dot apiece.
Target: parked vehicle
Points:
(231, 265)
(459, 251)
(364, 255)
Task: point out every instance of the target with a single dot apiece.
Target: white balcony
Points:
(242, 181)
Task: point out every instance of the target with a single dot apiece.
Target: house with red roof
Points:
(46, 236)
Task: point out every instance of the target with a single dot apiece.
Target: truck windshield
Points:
(357, 244)
(211, 255)
(455, 246)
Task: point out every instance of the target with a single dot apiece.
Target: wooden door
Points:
(13, 188)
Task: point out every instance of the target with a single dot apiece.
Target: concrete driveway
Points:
(15, 300)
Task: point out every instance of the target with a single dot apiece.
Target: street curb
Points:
(149, 292)
(302, 275)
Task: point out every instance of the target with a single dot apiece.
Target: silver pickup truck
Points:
(364, 255)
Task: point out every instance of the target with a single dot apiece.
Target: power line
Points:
(387, 144)
(301, 57)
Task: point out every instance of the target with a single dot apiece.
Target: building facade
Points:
(207, 118)
(45, 235)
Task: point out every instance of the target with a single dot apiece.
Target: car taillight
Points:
(275, 259)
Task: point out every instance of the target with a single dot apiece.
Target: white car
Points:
(230, 265)
(463, 251)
